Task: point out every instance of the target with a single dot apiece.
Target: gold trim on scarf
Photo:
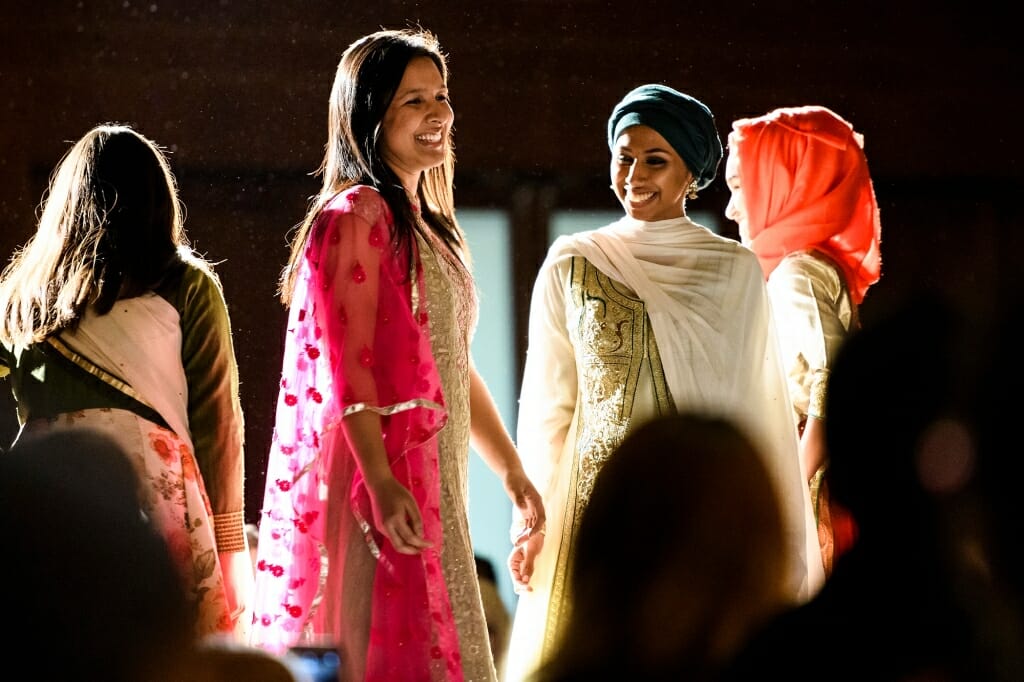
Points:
(103, 375)
(390, 409)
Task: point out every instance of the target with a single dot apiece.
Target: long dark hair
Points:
(111, 227)
(365, 82)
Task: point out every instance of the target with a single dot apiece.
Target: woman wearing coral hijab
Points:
(803, 199)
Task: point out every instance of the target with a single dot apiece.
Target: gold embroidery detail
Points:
(451, 305)
(612, 335)
(819, 391)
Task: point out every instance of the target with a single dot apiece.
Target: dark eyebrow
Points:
(652, 150)
(417, 91)
(410, 91)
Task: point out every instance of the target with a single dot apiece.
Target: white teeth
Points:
(640, 196)
(431, 138)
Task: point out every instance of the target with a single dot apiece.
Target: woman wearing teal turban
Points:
(649, 315)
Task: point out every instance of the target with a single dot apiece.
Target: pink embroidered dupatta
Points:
(357, 339)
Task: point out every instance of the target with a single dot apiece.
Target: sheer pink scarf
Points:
(806, 185)
(357, 339)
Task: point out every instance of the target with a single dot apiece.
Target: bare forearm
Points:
(488, 434)
(812, 447)
(396, 513)
(492, 441)
(363, 432)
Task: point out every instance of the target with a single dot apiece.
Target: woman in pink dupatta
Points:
(804, 202)
(364, 540)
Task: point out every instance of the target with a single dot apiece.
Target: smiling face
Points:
(648, 176)
(736, 208)
(417, 123)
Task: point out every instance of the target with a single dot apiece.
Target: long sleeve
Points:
(214, 407)
(347, 262)
(813, 314)
(549, 391)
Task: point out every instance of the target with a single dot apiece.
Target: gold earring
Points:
(691, 190)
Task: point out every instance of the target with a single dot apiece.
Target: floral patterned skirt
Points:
(175, 496)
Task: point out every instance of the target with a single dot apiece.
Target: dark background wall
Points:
(237, 91)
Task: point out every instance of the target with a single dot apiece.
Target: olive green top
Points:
(45, 384)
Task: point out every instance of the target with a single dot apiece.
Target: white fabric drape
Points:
(709, 310)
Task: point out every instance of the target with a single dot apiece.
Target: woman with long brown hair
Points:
(364, 539)
(111, 322)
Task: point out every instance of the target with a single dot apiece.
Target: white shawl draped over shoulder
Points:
(709, 310)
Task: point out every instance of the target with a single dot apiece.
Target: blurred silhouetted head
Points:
(680, 551)
(898, 433)
(1000, 468)
(96, 593)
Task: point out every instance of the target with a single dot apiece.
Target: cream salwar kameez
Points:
(452, 305)
(813, 315)
(627, 322)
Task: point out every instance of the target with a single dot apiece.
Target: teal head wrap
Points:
(685, 123)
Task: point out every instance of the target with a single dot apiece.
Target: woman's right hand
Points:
(395, 512)
(397, 516)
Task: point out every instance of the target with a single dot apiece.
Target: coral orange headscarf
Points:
(806, 185)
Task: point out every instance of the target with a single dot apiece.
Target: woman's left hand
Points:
(521, 560)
